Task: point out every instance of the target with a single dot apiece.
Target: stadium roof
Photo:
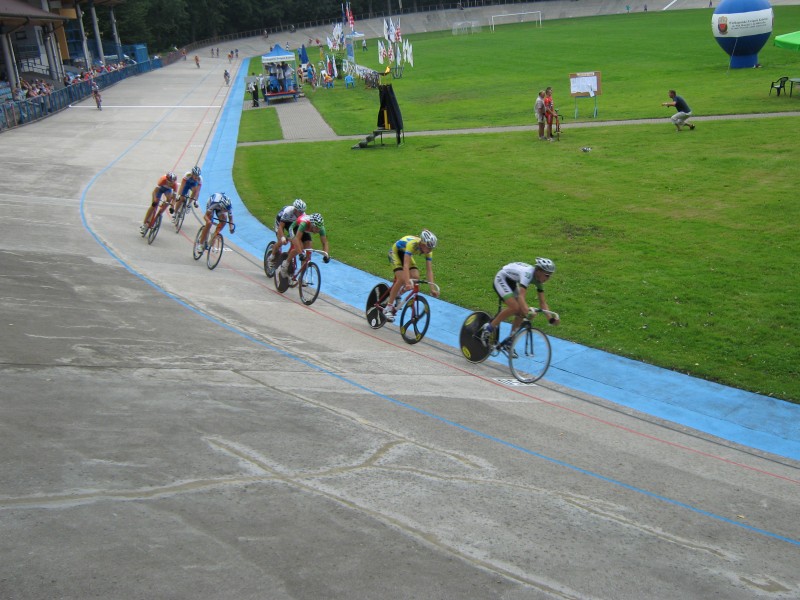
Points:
(16, 12)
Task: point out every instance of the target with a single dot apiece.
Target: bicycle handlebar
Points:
(532, 311)
(432, 285)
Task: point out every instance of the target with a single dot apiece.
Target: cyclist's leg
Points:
(149, 214)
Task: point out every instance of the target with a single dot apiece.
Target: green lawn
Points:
(680, 250)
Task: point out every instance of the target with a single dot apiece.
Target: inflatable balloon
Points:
(741, 28)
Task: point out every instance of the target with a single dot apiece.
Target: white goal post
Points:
(534, 16)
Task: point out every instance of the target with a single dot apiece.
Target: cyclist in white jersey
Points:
(511, 284)
(283, 223)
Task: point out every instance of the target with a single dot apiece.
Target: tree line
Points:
(162, 24)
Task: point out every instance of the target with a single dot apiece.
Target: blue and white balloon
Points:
(741, 28)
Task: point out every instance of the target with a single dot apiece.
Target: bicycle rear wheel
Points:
(375, 316)
(151, 235)
(414, 319)
(215, 249)
(473, 349)
(197, 253)
(310, 284)
(281, 282)
(180, 215)
(529, 354)
(267, 253)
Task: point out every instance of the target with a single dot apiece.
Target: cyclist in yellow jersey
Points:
(405, 268)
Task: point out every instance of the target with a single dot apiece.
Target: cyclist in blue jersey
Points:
(189, 188)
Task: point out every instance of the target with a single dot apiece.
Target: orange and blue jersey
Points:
(165, 186)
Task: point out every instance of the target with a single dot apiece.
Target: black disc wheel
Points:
(473, 349)
(375, 316)
(281, 281)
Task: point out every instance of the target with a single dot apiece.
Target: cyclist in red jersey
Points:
(167, 186)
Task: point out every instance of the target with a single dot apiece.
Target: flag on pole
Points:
(350, 18)
(398, 37)
(381, 51)
(385, 30)
(392, 31)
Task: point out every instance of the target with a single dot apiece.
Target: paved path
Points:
(300, 121)
(174, 432)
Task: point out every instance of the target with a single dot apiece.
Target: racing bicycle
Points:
(415, 314)
(151, 229)
(307, 279)
(213, 249)
(528, 349)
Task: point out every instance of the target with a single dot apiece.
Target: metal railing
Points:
(14, 113)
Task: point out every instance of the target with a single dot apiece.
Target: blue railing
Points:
(19, 112)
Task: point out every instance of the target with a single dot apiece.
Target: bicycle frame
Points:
(414, 315)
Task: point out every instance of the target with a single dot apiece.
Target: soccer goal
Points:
(465, 27)
(534, 16)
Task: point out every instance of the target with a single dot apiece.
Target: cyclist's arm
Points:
(282, 233)
(543, 305)
(230, 221)
(324, 239)
(429, 269)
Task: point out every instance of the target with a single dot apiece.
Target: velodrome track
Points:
(173, 432)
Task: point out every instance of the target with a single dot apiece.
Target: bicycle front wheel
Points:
(197, 249)
(180, 215)
(310, 283)
(151, 235)
(414, 319)
(529, 354)
(215, 251)
(270, 272)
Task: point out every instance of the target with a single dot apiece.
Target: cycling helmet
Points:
(172, 177)
(299, 205)
(196, 171)
(428, 239)
(546, 265)
(226, 202)
(316, 220)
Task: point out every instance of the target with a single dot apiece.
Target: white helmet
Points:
(428, 239)
(546, 265)
(299, 205)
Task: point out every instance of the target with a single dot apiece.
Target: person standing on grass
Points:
(538, 109)
(680, 118)
(549, 111)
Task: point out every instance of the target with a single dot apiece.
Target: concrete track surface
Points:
(173, 432)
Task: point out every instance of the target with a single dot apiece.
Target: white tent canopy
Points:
(277, 55)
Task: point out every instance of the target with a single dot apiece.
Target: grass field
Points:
(680, 250)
